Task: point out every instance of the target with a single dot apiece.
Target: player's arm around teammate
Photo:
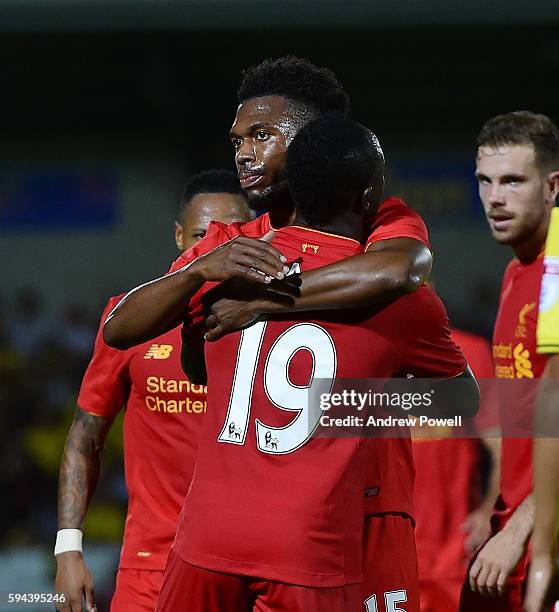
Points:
(543, 583)
(158, 306)
(79, 472)
(389, 269)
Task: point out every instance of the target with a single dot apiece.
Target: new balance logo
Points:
(159, 351)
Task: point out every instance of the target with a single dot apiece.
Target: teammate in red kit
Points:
(274, 518)
(452, 520)
(517, 168)
(276, 99)
(162, 422)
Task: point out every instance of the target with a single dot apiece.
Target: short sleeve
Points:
(427, 349)
(395, 219)
(106, 384)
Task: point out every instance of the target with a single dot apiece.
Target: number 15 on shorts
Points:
(391, 599)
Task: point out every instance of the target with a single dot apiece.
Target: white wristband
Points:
(68, 540)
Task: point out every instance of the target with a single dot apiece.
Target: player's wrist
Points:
(199, 271)
(67, 541)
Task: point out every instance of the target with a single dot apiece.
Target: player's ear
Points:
(371, 198)
(553, 185)
(179, 236)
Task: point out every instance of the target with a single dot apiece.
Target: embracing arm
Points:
(389, 269)
(79, 472)
(158, 306)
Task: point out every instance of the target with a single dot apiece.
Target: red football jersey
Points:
(447, 482)
(267, 499)
(394, 219)
(515, 358)
(162, 423)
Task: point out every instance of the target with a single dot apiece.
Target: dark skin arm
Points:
(450, 397)
(79, 473)
(389, 269)
(158, 306)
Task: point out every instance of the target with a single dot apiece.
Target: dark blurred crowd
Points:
(42, 360)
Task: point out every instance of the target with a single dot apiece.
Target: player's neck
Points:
(527, 251)
(281, 216)
(348, 226)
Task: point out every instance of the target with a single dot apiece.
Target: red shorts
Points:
(186, 587)
(440, 594)
(136, 590)
(390, 578)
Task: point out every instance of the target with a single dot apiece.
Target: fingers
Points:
(474, 573)
(211, 321)
(481, 580)
(214, 334)
(491, 582)
(259, 258)
(89, 599)
(502, 582)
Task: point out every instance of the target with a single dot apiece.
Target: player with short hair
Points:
(161, 427)
(274, 517)
(517, 168)
(276, 98)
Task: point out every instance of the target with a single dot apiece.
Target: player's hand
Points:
(495, 562)
(543, 584)
(248, 258)
(74, 579)
(236, 304)
(477, 528)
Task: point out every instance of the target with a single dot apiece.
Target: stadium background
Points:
(107, 107)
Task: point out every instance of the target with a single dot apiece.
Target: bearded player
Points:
(276, 99)
(517, 168)
(162, 421)
(280, 526)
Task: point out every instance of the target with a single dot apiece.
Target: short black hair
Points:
(297, 79)
(524, 128)
(330, 161)
(215, 180)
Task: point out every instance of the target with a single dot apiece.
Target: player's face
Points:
(516, 194)
(206, 207)
(262, 131)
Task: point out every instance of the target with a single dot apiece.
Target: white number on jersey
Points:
(391, 598)
(279, 388)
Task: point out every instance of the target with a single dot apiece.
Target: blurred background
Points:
(108, 106)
